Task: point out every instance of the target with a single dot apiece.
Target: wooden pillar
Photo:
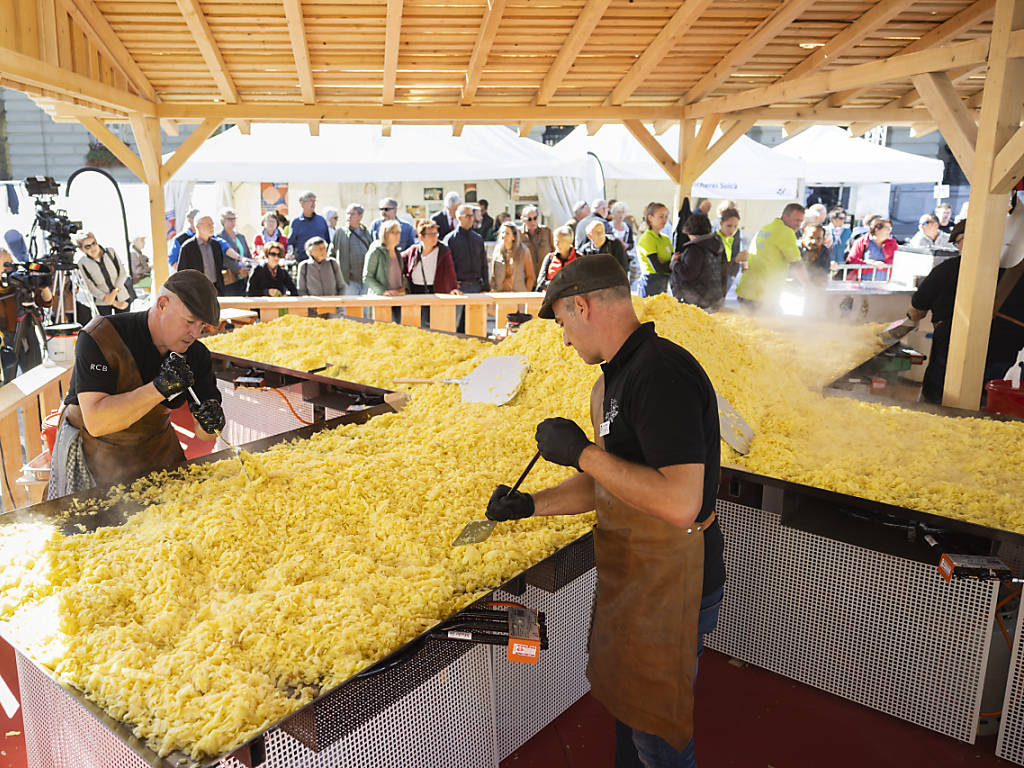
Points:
(687, 129)
(975, 295)
(147, 137)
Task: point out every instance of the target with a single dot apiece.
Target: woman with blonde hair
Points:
(655, 251)
(511, 263)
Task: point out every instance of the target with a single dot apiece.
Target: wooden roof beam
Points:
(300, 49)
(209, 48)
(21, 72)
(202, 132)
(244, 126)
(942, 34)
(658, 49)
(392, 36)
(457, 128)
(745, 50)
(482, 48)
(1008, 166)
(118, 148)
(730, 136)
(856, 130)
(385, 128)
(952, 116)
(98, 29)
(876, 18)
(582, 28)
(170, 127)
(918, 130)
(699, 146)
(898, 67)
(654, 148)
(524, 129)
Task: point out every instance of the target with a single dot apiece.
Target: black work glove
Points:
(561, 441)
(209, 415)
(503, 506)
(174, 377)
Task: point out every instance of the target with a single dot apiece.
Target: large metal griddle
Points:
(424, 655)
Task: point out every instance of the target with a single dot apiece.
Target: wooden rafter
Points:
(457, 128)
(118, 148)
(654, 148)
(582, 28)
(482, 48)
(385, 128)
(923, 129)
(170, 127)
(880, 14)
(708, 126)
(730, 135)
(300, 49)
(244, 126)
(314, 127)
(392, 36)
(752, 45)
(1008, 167)
(98, 29)
(411, 113)
(524, 129)
(898, 67)
(202, 132)
(208, 48)
(860, 128)
(951, 115)
(26, 72)
(663, 43)
(942, 34)
(593, 126)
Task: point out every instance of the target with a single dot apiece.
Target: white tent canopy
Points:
(343, 153)
(746, 171)
(833, 157)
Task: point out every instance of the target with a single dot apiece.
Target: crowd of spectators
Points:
(701, 258)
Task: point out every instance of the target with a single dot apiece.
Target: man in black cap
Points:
(131, 370)
(652, 476)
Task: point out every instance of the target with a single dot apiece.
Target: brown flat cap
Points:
(582, 275)
(197, 293)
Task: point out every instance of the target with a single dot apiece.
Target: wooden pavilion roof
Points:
(509, 61)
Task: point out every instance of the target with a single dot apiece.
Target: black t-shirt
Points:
(937, 293)
(93, 373)
(661, 410)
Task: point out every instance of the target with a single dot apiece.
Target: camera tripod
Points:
(29, 340)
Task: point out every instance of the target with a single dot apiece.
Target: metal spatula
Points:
(734, 429)
(480, 530)
(496, 380)
(896, 331)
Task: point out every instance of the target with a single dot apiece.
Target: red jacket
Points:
(859, 255)
(444, 277)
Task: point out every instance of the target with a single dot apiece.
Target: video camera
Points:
(55, 222)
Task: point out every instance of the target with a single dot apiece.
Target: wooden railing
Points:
(24, 403)
(441, 307)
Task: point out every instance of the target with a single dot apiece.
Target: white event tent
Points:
(834, 158)
(745, 171)
(356, 163)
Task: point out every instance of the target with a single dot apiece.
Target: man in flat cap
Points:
(652, 476)
(131, 370)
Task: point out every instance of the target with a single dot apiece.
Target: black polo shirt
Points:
(660, 409)
(93, 373)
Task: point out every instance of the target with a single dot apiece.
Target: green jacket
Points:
(376, 268)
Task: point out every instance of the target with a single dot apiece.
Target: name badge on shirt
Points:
(604, 428)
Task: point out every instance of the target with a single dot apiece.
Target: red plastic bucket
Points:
(49, 433)
(1003, 398)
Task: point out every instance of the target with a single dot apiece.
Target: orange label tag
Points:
(524, 651)
(946, 568)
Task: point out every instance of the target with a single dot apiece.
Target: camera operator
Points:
(103, 274)
(42, 295)
(21, 323)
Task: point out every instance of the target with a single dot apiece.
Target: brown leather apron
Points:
(643, 641)
(148, 445)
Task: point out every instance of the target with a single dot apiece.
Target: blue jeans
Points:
(636, 749)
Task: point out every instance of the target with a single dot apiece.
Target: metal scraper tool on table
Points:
(495, 381)
(734, 429)
(895, 331)
(480, 530)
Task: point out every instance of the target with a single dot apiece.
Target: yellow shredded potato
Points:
(225, 605)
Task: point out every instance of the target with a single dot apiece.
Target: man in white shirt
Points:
(929, 237)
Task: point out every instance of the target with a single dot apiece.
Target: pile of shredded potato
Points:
(225, 605)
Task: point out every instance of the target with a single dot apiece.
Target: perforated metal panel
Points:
(1010, 745)
(885, 632)
(447, 722)
(61, 733)
(528, 697)
(253, 414)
